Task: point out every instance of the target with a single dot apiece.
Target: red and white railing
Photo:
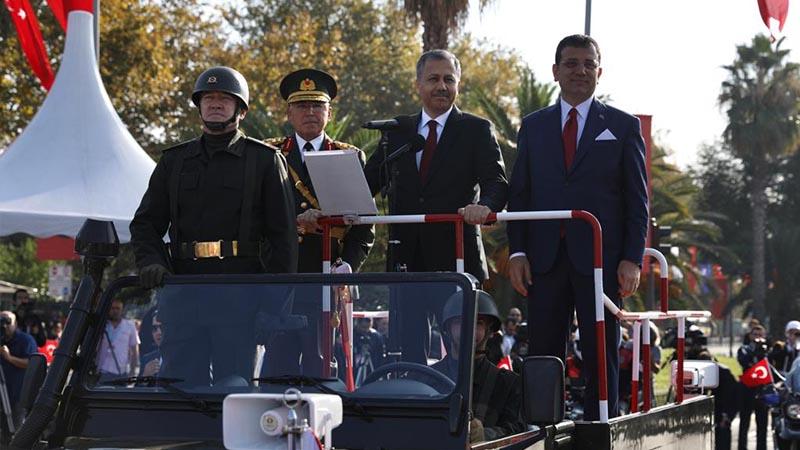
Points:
(641, 336)
(458, 222)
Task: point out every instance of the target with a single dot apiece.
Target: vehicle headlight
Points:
(793, 411)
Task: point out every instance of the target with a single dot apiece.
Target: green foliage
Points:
(18, 263)
(370, 48)
(150, 55)
(762, 97)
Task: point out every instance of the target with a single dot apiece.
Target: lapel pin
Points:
(602, 117)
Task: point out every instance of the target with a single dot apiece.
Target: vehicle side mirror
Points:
(700, 374)
(543, 389)
(34, 377)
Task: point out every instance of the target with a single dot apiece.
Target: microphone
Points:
(398, 123)
(414, 145)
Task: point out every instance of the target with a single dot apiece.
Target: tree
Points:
(150, 55)
(18, 263)
(761, 94)
(440, 18)
(370, 48)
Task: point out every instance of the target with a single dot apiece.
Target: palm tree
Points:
(531, 95)
(761, 94)
(439, 18)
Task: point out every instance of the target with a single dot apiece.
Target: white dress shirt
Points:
(424, 129)
(316, 142)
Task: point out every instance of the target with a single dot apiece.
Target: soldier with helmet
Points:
(226, 201)
(496, 393)
(308, 93)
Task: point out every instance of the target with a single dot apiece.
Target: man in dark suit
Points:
(460, 169)
(577, 154)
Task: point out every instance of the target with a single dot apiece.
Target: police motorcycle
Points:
(786, 420)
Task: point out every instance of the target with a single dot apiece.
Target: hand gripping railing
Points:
(458, 221)
(641, 334)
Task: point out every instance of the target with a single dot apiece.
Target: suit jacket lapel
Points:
(556, 149)
(408, 162)
(595, 123)
(445, 142)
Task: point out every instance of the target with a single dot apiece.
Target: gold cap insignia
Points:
(212, 79)
(307, 85)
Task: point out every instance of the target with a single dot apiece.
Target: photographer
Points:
(16, 349)
(368, 347)
(749, 354)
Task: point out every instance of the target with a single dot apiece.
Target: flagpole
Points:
(97, 32)
(587, 24)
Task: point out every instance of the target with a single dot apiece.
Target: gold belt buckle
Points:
(208, 249)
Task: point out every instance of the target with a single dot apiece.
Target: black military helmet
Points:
(222, 79)
(486, 308)
(308, 85)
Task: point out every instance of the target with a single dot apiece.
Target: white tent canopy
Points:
(76, 159)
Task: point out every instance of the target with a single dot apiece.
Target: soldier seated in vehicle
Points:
(496, 393)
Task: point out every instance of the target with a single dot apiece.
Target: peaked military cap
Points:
(306, 85)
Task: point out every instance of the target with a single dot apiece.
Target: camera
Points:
(759, 347)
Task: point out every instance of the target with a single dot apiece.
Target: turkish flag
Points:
(49, 349)
(30, 39)
(757, 375)
(57, 6)
(505, 363)
(775, 9)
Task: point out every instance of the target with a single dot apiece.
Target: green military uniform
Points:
(351, 243)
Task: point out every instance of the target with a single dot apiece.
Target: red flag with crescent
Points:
(757, 375)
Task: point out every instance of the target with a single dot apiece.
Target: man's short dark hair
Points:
(17, 292)
(438, 55)
(577, 41)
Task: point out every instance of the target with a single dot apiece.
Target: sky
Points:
(662, 58)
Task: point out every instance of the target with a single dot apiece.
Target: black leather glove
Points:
(152, 276)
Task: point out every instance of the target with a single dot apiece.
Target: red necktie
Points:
(570, 138)
(428, 150)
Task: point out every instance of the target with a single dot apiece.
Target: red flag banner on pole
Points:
(57, 7)
(30, 39)
(775, 9)
(758, 374)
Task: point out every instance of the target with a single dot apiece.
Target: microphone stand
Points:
(389, 172)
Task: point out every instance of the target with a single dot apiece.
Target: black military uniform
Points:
(353, 243)
(227, 203)
(350, 243)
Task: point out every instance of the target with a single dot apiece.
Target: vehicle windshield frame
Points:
(468, 285)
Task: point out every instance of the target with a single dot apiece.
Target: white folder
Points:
(339, 183)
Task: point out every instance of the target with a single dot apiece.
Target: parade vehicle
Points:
(288, 400)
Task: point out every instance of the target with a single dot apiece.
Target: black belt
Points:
(218, 249)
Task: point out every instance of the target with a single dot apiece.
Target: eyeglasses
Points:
(310, 106)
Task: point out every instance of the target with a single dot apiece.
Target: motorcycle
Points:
(786, 421)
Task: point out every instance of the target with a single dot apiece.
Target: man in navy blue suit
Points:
(577, 154)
